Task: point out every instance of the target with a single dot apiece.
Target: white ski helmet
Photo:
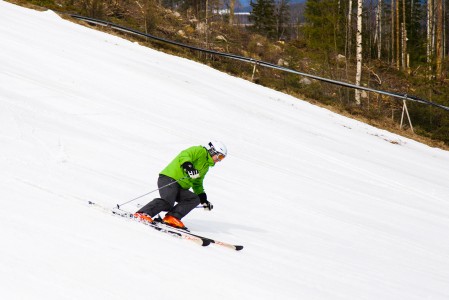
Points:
(216, 147)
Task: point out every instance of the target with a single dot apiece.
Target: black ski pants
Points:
(170, 195)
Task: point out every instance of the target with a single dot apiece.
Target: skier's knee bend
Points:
(166, 205)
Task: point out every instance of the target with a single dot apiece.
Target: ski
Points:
(181, 235)
(177, 232)
(213, 241)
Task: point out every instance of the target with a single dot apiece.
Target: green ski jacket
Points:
(201, 160)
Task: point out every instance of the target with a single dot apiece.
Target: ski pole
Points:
(118, 205)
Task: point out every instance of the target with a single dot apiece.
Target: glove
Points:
(206, 204)
(193, 173)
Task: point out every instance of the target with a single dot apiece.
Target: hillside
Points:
(327, 207)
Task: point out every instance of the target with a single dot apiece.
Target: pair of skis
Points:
(161, 227)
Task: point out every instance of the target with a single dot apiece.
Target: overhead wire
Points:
(257, 62)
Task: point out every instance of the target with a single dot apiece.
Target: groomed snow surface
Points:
(326, 207)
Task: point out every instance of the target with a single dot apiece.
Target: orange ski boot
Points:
(143, 217)
(174, 222)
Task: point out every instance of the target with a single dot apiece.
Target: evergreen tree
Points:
(324, 28)
(263, 17)
(417, 33)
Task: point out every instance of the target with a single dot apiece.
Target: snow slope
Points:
(326, 207)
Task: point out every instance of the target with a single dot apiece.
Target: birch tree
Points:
(404, 38)
(378, 32)
(358, 75)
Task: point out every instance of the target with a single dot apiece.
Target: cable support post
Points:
(405, 111)
(254, 69)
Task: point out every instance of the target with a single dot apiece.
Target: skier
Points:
(187, 170)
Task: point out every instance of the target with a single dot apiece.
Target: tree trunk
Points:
(429, 47)
(404, 38)
(359, 50)
(397, 35)
(348, 43)
(231, 12)
(349, 31)
(378, 33)
(392, 33)
(439, 39)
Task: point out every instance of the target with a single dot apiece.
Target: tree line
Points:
(405, 33)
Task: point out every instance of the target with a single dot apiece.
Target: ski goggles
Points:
(220, 156)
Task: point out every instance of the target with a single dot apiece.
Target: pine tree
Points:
(263, 17)
(324, 28)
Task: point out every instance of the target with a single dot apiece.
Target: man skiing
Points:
(187, 170)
